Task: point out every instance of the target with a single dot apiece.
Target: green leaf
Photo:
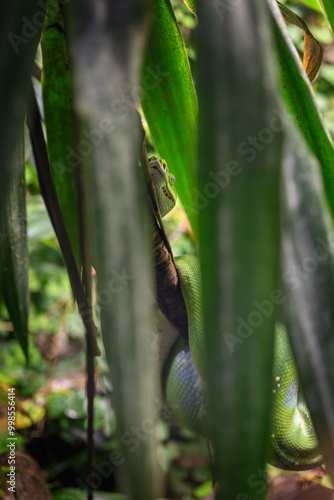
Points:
(14, 250)
(204, 490)
(63, 157)
(328, 8)
(313, 4)
(300, 100)
(191, 4)
(108, 59)
(240, 137)
(169, 103)
(18, 44)
(308, 240)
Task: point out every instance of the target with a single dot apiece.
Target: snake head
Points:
(164, 185)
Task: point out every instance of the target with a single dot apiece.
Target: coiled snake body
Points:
(293, 437)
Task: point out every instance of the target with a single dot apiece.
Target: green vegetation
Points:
(219, 92)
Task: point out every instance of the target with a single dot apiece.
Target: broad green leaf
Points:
(169, 103)
(20, 27)
(300, 100)
(62, 150)
(108, 50)
(313, 4)
(328, 8)
(240, 137)
(308, 275)
(14, 249)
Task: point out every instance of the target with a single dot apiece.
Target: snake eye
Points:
(172, 179)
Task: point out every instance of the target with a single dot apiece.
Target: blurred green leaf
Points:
(328, 9)
(108, 52)
(240, 141)
(18, 44)
(169, 103)
(191, 4)
(326, 482)
(14, 250)
(76, 494)
(39, 224)
(313, 4)
(69, 403)
(4, 437)
(28, 413)
(59, 121)
(27, 378)
(308, 245)
(300, 100)
(203, 490)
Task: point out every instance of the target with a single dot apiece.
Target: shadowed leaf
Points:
(108, 53)
(239, 236)
(308, 243)
(59, 121)
(300, 100)
(18, 44)
(14, 250)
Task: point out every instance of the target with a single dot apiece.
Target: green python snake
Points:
(294, 442)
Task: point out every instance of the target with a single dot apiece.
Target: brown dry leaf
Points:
(313, 51)
(29, 479)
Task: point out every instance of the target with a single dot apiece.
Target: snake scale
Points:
(294, 442)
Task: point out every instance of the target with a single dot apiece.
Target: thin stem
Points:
(87, 282)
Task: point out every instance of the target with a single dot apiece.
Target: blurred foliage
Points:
(75, 494)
